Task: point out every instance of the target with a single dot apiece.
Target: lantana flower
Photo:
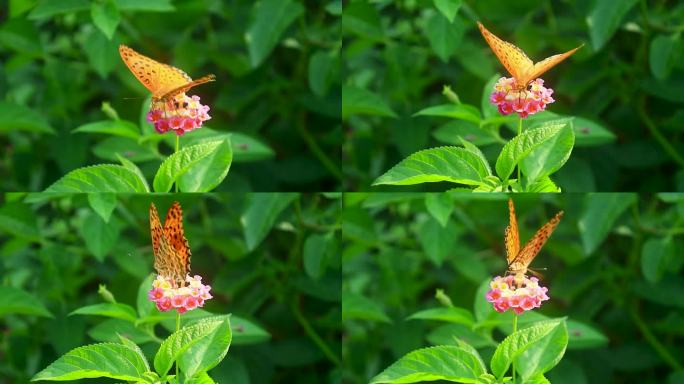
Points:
(181, 114)
(517, 292)
(167, 296)
(524, 102)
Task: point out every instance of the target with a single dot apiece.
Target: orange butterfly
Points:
(519, 260)
(516, 61)
(170, 247)
(164, 81)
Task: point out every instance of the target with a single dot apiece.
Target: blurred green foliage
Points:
(271, 259)
(277, 88)
(624, 87)
(613, 267)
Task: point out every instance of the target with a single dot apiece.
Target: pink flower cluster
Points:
(518, 292)
(181, 114)
(524, 102)
(183, 299)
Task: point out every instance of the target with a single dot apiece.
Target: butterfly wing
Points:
(512, 57)
(162, 80)
(531, 249)
(541, 67)
(175, 234)
(184, 88)
(164, 254)
(512, 236)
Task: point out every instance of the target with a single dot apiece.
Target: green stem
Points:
(515, 329)
(653, 128)
(177, 149)
(653, 341)
(177, 329)
(330, 165)
(519, 133)
(327, 351)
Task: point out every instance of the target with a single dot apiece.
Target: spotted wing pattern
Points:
(169, 245)
(164, 81)
(531, 249)
(512, 236)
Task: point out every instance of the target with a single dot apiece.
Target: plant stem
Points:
(177, 149)
(653, 128)
(653, 340)
(515, 328)
(327, 351)
(519, 133)
(177, 329)
(329, 164)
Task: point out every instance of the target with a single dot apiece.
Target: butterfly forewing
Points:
(531, 249)
(164, 81)
(512, 236)
(170, 248)
(513, 58)
(541, 67)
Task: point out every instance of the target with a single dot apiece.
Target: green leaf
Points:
(362, 19)
(143, 303)
(18, 219)
(521, 146)
(551, 155)
(102, 54)
(451, 363)
(146, 5)
(656, 254)
(590, 133)
(437, 241)
(15, 117)
(103, 204)
(453, 164)
(321, 66)
(109, 330)
(355, 306)
(205, 173)
(449, 8)
(543, 354)
(245, 148)
(210, 171)
(197, 348)
(455, 111)
(15, 300)
(271, 19)
(261, 213)
(315, 255)
(113, 310)
(99, 178)
(455, 131)
(514, 345)
(49, 8)
(246, 332)
(662, 54)
(448, 314)
(121, 128)
(111, 360)
(599, 214)
(543, 185)
(605, 18)
(133, 168)
(444, 35)
(105, 15)
(470, 147)
(440, 206)
(357, 101)
(100, 237)
(584, 336)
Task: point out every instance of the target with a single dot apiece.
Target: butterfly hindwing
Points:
(174, 232)
(170, 248)
(512, 237)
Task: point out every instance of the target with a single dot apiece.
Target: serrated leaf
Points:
(448, 314)
(453, 164)
(514, 345)
(197, 348)
(15, 300)
(113, 310)
(451, 363)
(519, 147)
(544, 354)
(551, 155)
(210, 171)
(133, 168)
(358, 101)
(184, 160)
(99, 178)
(111, 360)
(455, 111)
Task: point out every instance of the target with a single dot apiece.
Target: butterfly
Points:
(164, 81)
(516, 61)
(170, 247)
(519, 260)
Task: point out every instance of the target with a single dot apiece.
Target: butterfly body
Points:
(516, 62)
(169, 245)
(520, 259)
(162, 80)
